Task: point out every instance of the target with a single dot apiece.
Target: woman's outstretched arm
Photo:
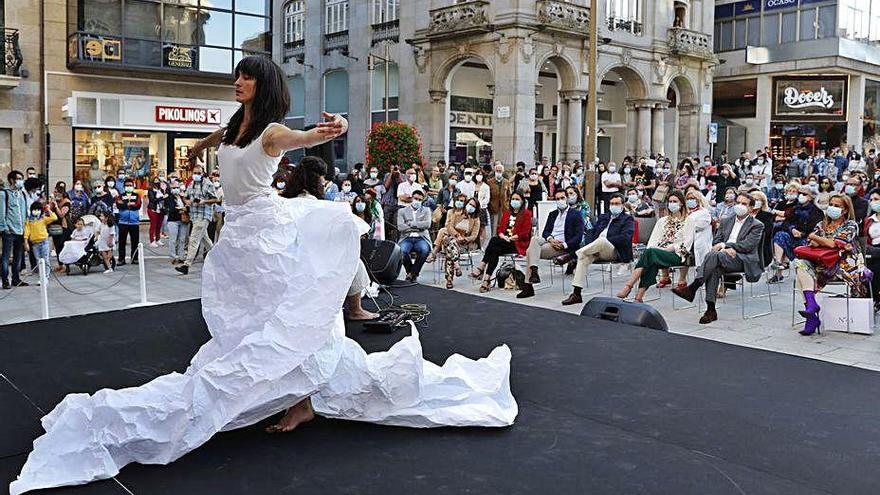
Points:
(280, 139)
(212, 141)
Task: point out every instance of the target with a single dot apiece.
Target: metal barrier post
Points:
(142, 272)
(44, 287)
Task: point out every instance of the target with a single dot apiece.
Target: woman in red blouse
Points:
(513, 236)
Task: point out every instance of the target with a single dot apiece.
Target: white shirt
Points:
(874, 231)
(467, 188)
(484, 194)
(558, 231)
(766, 170)
(406, 189)
(737, 226)
(608, 176)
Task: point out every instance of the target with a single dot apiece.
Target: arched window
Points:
(336, 16)
(294, 21)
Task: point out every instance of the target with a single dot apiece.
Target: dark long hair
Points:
(271, 100)
(307, 178)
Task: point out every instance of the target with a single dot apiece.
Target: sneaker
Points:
(109, 270)
(160, 243)
(154, 244)
(182, 269)
(120, 263)
(6, 285)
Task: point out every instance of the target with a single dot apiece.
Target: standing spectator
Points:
(156, 211)
(871, 229)
(101, 200)
(200, 199)
(483, 195)
(129, 204)
(13, 215)
(219, 210)
(36, 235)
(499, 195)
(178, 226)
(390, 202)
(119, 184)
(79, 200)
(413, 221)
(406, 189)
(532, 190)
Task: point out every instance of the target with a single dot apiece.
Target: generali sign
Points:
(810, 97)
(187, 115)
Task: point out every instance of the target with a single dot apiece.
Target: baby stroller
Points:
(91, 257)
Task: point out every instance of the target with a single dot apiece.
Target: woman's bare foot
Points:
(362, 315)
(296, 415)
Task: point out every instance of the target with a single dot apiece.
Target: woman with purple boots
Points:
(832, 253)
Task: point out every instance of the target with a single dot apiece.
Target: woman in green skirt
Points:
(666, 248)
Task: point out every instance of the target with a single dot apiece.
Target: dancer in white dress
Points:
(272, 292)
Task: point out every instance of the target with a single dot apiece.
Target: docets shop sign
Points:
(187, 115)
(810, 97)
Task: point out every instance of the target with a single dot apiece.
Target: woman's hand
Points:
(335, 125)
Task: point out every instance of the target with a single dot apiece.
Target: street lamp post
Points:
(592, 95)
(371, 66)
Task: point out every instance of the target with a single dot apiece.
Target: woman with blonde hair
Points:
(667, 247)
(697, 229)
(832, 253)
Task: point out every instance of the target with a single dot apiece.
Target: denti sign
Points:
(187, 115)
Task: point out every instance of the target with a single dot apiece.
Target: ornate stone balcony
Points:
(295, 50)
(336, 41)
(462, 18)
(386, 31)
(564, 16)
(684, 42)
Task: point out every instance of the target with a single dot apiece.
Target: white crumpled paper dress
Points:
(272, 291)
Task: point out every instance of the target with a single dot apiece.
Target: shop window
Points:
(99, 153)
(871, 119)
(789, 27)
(101, 16)
(735, 99)
(142, 19)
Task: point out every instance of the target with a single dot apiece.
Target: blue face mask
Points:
(470, 209)
(674, 207)
(515, 204)
(360, 207)
(691, 204)
(572, 200)
(850, 190)
(416, 204)
(561, 204)
(615, 210)
(459, 204)
(834, 212)
(875, 206)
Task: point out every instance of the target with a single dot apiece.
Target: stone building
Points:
(504, 79)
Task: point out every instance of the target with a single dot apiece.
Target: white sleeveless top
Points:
(246, 173)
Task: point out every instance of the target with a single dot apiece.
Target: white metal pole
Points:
(143, 272)
(44, 287)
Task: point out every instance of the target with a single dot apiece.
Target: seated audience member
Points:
(346, 193)
(563, 234)
(361, 209)
(446, 196)
(777, 190)
(639, 203)
(735, 249)
(872, 244)
(853, 189)
(725, 209)
(837, 231)
(378, 215)
(413, 223)
(513, 237)
(698, 229)
(666, 248)
(762, 213)
(462, 229)
(794, 230)
(609, 240)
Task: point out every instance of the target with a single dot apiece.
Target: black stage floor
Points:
(603, 409)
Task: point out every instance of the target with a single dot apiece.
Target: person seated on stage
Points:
(838, 230)
(736, 249)
(793, 232)
(872, 243)
(413, 222)
(666, 248)
(562, 236)
(609, 240)
(462, 229)
(513, 237)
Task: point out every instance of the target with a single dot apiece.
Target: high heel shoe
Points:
(477, 273)
(664, 282)
(811, 325)
(624, 293)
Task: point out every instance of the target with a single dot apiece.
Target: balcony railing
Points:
(386, 31)
(11, 53)
(458, 19)
(336, 41)
(626, 25)
(564, 16)
(295, 49)
(690, 43)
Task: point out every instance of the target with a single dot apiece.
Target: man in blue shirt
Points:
(13, 214)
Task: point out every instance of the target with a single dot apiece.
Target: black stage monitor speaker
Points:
(626, 312)
(383, 260)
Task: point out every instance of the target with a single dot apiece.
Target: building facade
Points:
(126, 84)
(797, 74)
(504, 79)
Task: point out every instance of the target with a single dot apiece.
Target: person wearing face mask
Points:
(609, 240)
(406, 189)
(446, 196)
(763, 214)
(735, 248)
(79, 200)
(373, 181)
(156, 212)
(793, 232)
(871, 228)
(532, 189)
(513, 237)
(697, 230)
(853, 189)
(36, 235)
(562, 236)
(346, 194)
(129, 204)
(499, 195)
(461, 232)
(219, 216)
(725, 179)
(667, 247)
(200, 199)
(13, 216)
(360, 209)
(611, 183)
(725, 208)
(838, 230)
(120, 181)
(777, 192)
(414, 222)
(483, 195)
(178, 225)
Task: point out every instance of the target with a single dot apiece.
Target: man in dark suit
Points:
(610, 240)
(562, 234)
(861, 206)
(736, 249)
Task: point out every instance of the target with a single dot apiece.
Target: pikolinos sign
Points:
(810, 97)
